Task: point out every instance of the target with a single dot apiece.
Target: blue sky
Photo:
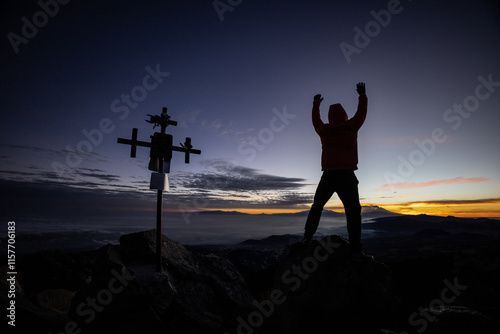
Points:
(242, 89)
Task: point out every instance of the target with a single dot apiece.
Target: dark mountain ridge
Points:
(368, 211)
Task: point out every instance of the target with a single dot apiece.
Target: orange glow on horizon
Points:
(470, 210)
(457, 210)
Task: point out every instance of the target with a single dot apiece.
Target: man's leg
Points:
(348, 193)
(324, 191)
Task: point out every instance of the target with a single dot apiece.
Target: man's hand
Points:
(360, 88)
(318, 97)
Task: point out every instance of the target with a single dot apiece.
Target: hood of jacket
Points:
(336, 114)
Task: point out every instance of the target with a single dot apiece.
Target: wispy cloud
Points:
(412, 185)
(223, 185)
(63, 201)
(481, 201)
(29, 148)
(77, 177)
(478, 207)
(224, 175)
(98, 174)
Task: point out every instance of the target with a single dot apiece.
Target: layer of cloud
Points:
(481, 201)
(225, 185)
(224, 175)
(478, 207)
(94, 194)
(412, 185)
(80, 177)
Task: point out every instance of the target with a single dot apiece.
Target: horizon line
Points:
(257, 212)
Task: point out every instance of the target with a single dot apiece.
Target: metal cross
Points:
(161, 151)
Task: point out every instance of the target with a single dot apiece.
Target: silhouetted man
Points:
(339, 160)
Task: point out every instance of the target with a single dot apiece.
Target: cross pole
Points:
(163, 150)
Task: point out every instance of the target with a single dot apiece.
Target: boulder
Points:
(327, 291)
(57, 300)
(193, 294)
(455, 320)
(29, 317)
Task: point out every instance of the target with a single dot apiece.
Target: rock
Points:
(58, 300)
(326, 291)
(52, 269)
(193, 294)
(30, 318)
(35, 271)
(455, 320)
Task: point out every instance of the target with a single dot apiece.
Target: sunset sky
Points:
(239, 78)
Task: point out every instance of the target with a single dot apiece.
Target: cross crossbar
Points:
(187, 148)
(133, 143)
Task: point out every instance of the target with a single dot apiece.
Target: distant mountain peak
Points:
(375, 210)
(220, 212)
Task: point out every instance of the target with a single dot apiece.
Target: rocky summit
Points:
(274, 285)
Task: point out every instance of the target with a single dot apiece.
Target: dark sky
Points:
(240, 79)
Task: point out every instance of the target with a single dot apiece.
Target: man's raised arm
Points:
(360, 116)
(316, 118)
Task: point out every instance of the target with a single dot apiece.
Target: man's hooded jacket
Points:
(339, 137)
